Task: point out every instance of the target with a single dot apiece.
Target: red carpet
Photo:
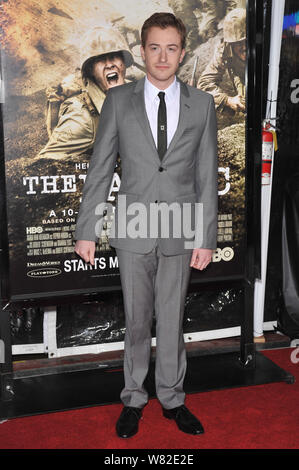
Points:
(256, 417)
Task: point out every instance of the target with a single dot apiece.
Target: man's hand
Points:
(201, 257)
(236, 103)
(86, 250)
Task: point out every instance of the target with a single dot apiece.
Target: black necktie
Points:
(162, 126)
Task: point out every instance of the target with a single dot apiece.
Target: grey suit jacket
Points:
(188, 173)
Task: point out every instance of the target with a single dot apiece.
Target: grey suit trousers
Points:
(153, 283)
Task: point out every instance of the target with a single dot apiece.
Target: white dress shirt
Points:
(172, 100)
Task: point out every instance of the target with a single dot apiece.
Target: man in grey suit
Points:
(166, 134)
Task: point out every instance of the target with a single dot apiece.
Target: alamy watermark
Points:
(165, 220)
(295, 353)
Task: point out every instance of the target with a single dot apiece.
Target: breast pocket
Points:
(190, 131)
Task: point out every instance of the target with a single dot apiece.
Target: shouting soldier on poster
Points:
(229, 56)
(74, 105)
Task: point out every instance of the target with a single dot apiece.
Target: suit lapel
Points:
(140, 111)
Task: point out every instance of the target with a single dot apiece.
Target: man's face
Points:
(109, 72)
(162, 55)
(239, 48)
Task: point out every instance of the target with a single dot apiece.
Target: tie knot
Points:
(161, 95)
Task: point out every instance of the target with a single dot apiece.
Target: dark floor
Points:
(31, 365)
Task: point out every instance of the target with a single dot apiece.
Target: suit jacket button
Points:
(161, 168)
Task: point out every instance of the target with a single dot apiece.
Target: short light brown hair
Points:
(163, 20)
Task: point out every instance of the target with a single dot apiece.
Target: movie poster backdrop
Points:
(52, 100)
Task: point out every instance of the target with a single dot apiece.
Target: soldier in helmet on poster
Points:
(229, 58)
(74, 105)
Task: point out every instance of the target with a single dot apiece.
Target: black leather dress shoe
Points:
(184, 419)
(127, 423)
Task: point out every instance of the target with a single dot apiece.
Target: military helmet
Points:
(234, 25)
(101, 41)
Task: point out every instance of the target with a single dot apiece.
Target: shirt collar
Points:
(151, 92)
